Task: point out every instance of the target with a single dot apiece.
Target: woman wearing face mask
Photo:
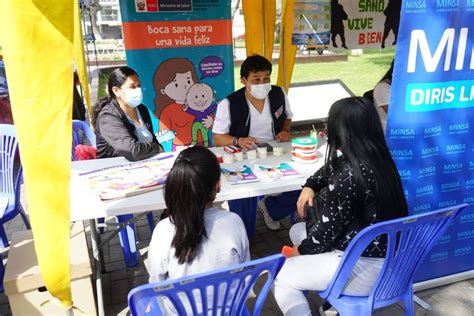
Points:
(258, 112)
(122, 123)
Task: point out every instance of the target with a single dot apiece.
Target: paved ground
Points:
(454, 299)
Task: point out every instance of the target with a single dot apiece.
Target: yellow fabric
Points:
(38, 55)
(253, 13)
(269, 12)
(79, 56)
(287, 50)
(259, 18)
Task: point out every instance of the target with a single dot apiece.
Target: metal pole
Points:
(422, 303)
(428, 284)
(95, 240)
(86, 48)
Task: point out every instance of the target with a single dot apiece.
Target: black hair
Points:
(354, 128)
(254, 63)
(116, 79)
(191, 184)
(389, 74)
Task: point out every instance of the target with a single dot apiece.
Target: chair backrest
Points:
(409, 239)
(219, 292)
(79, 127)
(8, 149)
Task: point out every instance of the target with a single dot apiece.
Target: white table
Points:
(86, 204)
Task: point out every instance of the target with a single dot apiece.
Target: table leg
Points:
(98, 262)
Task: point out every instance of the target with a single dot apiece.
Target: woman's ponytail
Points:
(190, 186)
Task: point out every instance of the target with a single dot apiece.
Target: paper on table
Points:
(130, 179)
(239, 175)
(282, 171)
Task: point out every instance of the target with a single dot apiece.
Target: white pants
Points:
(314, 272)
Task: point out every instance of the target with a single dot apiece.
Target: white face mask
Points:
(260, 91)
(133, 97)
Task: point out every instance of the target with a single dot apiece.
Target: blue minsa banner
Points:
(431, 122)
(182, 51)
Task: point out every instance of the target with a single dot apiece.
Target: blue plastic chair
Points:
(79, 127)
(221, 292)
(126, 234)
(2, 273)
(9, 186)
(409, 240)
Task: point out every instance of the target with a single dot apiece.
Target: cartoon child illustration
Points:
(171, 80)
(201, 104)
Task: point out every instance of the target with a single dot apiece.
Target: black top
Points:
(339, 205)
(240, 114)
(115, 135)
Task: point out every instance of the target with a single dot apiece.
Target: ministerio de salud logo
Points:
(432, 131)
(415, 6)
(401, 154)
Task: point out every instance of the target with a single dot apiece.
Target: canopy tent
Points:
(43, 102)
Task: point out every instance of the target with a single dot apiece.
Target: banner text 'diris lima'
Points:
(425, 97)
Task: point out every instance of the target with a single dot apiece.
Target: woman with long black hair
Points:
(196, 237)
(359, 185)
(122, 123)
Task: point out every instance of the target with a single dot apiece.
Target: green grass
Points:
(103, 78)
(359, 73)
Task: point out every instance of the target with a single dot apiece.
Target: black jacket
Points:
(116, 135)
(240, 115)
(339, 215)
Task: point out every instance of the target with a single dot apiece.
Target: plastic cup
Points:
(239, 156)
(252, 154)
(228, 158)
(278, 151)
(262, 152)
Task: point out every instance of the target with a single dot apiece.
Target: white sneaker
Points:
(262, 208)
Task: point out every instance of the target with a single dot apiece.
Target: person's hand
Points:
(283, 136)
(208, 121)
(246, 143)
(306, 195)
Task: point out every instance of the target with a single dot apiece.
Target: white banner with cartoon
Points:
(182, 51)
(362, 23)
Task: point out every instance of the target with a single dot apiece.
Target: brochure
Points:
(282, 171)
(130, 179)
(241, 175)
